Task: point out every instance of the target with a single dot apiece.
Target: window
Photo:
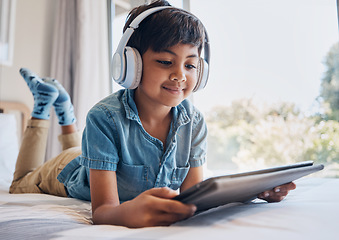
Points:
(6, 31)
(263, 102)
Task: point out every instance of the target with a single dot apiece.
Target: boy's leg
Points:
(30, 175)
(32, 149)
(44, 178)
(33, 146)
(70, 140)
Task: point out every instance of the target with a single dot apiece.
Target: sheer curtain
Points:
(80, 58)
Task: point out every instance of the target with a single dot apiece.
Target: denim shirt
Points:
(115, 140)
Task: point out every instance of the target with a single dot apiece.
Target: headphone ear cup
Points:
(133, 68)
(203, 72)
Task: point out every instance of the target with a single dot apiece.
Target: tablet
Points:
(243, 187)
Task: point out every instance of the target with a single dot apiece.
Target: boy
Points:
(139, 145)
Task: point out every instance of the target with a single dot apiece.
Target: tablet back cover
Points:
(218, 191)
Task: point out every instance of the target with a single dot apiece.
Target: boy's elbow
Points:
(106, 214)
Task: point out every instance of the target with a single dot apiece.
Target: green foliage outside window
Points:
(246, 136)
(329, 94)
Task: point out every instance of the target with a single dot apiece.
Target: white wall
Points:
(34, 22)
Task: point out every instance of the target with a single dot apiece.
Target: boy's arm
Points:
(151, 208)
(194, 176)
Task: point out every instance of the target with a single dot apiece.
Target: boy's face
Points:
(169, 76)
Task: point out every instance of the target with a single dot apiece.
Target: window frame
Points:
(7, 27)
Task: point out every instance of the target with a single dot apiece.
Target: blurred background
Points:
(273, 91)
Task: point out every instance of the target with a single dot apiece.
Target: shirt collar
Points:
(129, 104)
(180, 115)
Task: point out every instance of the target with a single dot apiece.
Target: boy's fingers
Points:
(291, 185)
(172, 206)
(158, 203)
(284, 189)
(166, 204)
(174, 211)
(270, 196)
(278, 193)
(163, 192)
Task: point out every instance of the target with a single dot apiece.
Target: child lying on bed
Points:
(139, 145)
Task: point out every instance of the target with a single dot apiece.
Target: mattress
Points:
(309, 212)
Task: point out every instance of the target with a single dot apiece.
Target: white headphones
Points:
(127, 62)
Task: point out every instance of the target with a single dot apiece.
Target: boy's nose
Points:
(179, 77)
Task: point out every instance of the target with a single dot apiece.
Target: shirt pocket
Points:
(178, 176)
(132, 180)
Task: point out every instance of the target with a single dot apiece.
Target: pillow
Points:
(9, 146)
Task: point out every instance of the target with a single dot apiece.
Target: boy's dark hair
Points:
(165, 29)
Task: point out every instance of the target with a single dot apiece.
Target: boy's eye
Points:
(168, 63)
(164, 62)
(190, 66)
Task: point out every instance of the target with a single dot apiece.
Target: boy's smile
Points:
(169, 76)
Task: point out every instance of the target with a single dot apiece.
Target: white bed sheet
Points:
(309, 212)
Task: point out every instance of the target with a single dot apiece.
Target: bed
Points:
(309, 212)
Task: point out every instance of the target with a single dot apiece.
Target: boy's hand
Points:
(278, 193)
(155, 207)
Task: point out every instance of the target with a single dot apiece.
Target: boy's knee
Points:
(18, 187)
